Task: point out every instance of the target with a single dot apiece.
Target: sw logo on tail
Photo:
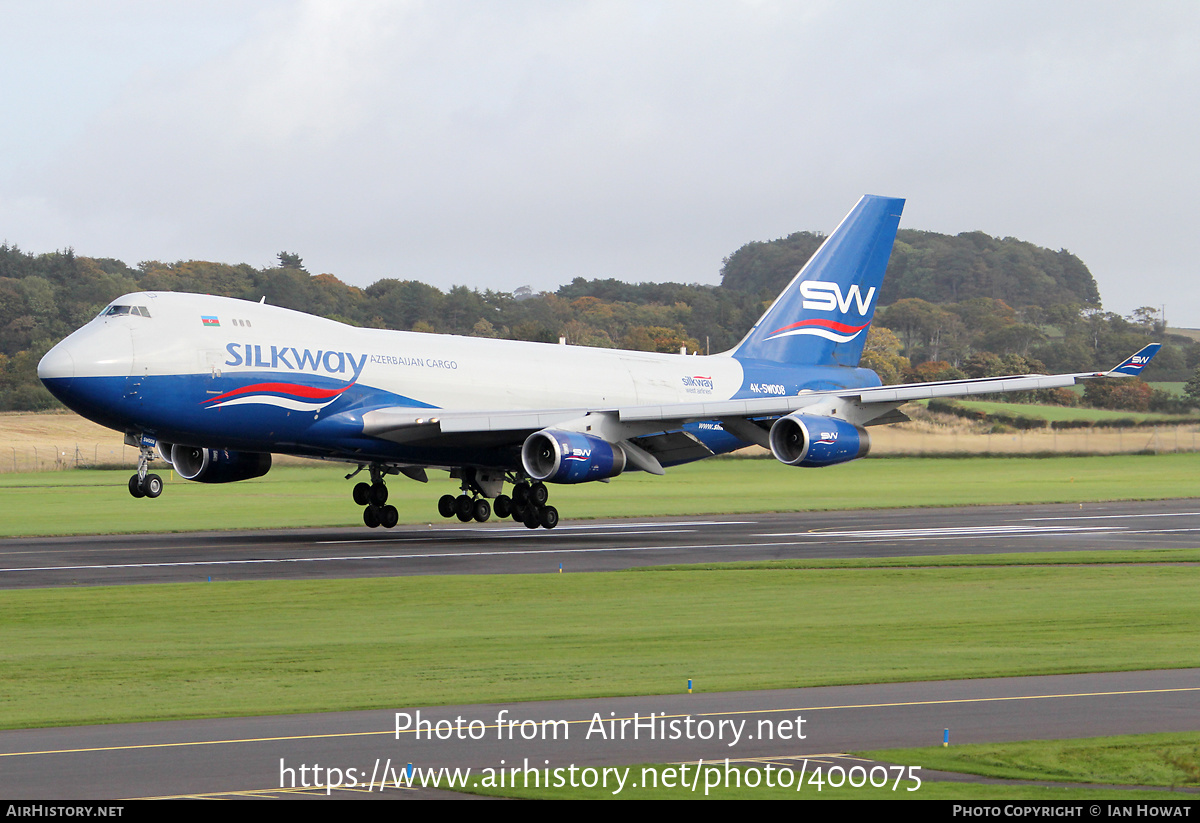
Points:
(828, 297)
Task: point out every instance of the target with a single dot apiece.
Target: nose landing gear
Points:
(144, 484)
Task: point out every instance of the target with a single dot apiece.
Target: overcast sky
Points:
(498, 144)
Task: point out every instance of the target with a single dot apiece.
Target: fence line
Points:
(57, 457)
(111, 454)
(1157, 439)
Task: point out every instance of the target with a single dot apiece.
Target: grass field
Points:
(1060, 413)
(1171, 387)
(1167, 760)
(87, 502)
(1156, 761)
(118, 654)
(54, 442)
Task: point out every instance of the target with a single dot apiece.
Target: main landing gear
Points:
(527, 505)
(144, 484)
(466, 508)
(374, 497)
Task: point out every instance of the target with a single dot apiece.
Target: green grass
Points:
(87, 502)
(1169, 760)
(1152, 760)
(811, 789)
(1171, 387)
(119, 654)
(1080, 558)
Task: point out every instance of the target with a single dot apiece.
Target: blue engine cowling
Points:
(554, 456)
(218, 465)
(806, 440)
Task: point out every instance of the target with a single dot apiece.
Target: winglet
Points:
(1134, 365)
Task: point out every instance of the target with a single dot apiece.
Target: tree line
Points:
(950, 305)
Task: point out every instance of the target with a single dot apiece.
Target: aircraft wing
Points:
(868, 405)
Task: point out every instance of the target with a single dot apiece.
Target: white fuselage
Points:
(242, 338)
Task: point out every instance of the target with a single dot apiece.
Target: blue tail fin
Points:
(821, 318)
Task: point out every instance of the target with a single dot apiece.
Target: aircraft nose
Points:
(58, 364)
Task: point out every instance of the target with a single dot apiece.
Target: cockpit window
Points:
(141, 311)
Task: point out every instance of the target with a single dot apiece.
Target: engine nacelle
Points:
(218, 465)
(163, 450)
(555, 456)
(806, 440)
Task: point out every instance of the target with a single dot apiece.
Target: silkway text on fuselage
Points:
(332, 362)
(293, 359)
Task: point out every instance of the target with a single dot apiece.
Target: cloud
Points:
(502, 144)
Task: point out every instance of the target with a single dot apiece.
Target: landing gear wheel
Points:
(539, 494)
(481, 510)
(153, 486)
(135, 488)
(362, 494)
(520, 493)
(464, 507)
(503, 506)
(371, 517)
(389, 517)
(446, 505)
(378, 495)
(518, 512)
(531, 518)
(548, 517)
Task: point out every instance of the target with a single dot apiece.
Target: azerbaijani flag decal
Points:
(293, 396)
(209, 320)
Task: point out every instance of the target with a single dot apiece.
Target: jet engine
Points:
(805, 440)
(555, 456)
(163, 450)
(218, 465)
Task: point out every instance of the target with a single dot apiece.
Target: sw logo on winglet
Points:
(1134, 365)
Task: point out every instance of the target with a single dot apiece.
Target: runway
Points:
(504, 548)
(793, 728)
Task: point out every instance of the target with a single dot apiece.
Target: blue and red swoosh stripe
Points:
(829, 329)
(294, 396)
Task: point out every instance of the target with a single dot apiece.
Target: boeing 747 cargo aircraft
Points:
(214, 386)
